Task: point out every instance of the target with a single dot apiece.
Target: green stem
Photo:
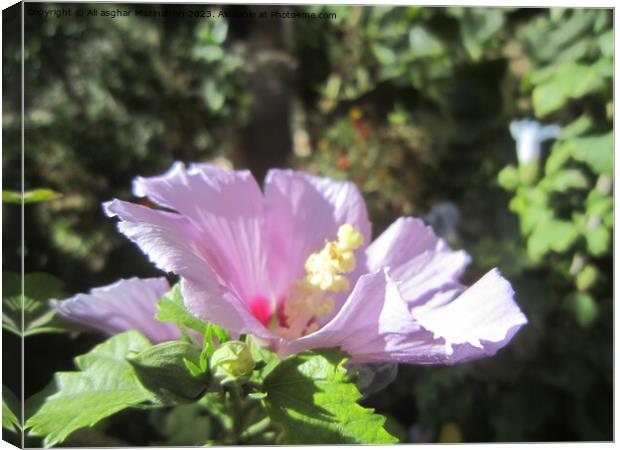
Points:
(237, 406)
(256, 429)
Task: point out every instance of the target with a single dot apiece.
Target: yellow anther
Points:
(328, 281)
(318, 262)
(307, 299)
(346, 262)
(324, 268)
(349, 238)
(339, 284)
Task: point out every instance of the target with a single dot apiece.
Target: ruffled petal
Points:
(419, 260)
(377, 325)
(124, 305)
(301, 212)
(225, 207)
(213, 303)
(477, 323)
(372, 321)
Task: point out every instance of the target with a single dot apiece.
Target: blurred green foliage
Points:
(566, 206)
(413, 105)
(106, 96)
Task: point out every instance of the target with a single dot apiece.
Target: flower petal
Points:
(301, 212)
(376, 325)
(225, 207)
(215, 304)
(372, 321)
(124, 305)
(422, 262)
(169, 240)
(480, 321)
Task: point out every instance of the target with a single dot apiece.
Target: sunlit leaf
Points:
(171, 309)
(311, 396)
(34, 196)
(103, 385)
(10, 410)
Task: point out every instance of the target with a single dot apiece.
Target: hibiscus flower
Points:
(295, 267)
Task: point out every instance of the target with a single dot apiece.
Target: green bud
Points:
(231, 362)
(163, 370)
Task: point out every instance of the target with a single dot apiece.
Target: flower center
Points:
(260, 308)
(309, 298)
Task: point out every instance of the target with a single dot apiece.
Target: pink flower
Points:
(124, 305)
(291, 266)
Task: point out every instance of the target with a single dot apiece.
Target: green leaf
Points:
(598, 204)
(606, 43)
(312, 397)
(508, 178)
(213, 95)
(560, 154)
(577, 127)
(531, 205)
(598, 240)
(564, 180)
(553, 235)
(187, 425)
(423, 44)
(384, 54)
(596, 151)
(162, 369)
(38, 317)
(584, 307)
(34, 196)
(219, 32)
(215, 403)
(42, 286)
(104, 385)
(171, 309)
(478, 26)
(569, 82)
(214, 332)
(10, 405)
(586, 277)
(257, 395)
(266, 360)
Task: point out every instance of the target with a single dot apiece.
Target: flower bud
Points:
(162, 370)
(231, 362)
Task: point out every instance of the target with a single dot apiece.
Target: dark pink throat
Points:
(262, 309)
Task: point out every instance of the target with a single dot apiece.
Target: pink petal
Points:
(372, 317)
(174, 245)
(477, 323)
(124, 305)
(376, 324)
(169, 240)
(421, 261)
(225, 207)
(301, 212)
(215, 304)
